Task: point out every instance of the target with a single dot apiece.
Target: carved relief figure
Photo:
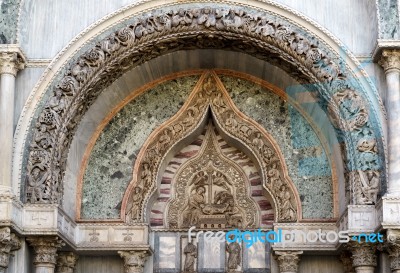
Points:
(190, 252)
(196, 204)
(287, 210)
(367, 187)
(234, 258)
(134, 212)
(274, 178)
(37, 185)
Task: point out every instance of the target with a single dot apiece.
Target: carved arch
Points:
(259, 33)
(210, 94)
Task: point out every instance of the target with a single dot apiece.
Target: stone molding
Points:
(8, 242)
(11, 59)
(288, 261)
(363, 254)
(134, 260)
(111, 57)
(66, 262)
(46, 248)
(390, 60)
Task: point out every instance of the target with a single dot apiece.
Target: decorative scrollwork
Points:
(268, 38)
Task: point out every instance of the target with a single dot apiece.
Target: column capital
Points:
(390, 59)
(288, 261)
(363, 254)
(392, 247)
(8, 242)
(134, 260)
(45, 250)
(11, 59)
(66, 262)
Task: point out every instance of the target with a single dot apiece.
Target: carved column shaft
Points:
(288, 261)
(8, 242)
(10, 63)
(134, 260)
(391, 64)
(45, 253)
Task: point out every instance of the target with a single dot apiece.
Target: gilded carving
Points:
(267, 38)
(196, 203)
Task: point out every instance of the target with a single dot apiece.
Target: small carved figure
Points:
(37, 185)
(134, 212)
(275, 179)
(190, 257)
(196, 204)
(145, 176)
(231, 122)
(369, 187)
(234, 258)
(288, 212)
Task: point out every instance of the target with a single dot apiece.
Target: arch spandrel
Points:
(210, 94)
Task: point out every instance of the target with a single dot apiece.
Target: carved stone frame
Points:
(209, 93)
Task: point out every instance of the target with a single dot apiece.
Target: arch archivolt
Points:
(210, 95)
(261, 34)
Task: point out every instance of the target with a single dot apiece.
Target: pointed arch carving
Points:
(210, 95)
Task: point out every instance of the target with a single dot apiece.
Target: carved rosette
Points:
(363, 254)
(10, 63)
(288, 261)
(134, 260)
(45, 250)
(390, 60)
(210, 93)
(253, 32)
(66, 262)
(8, 242)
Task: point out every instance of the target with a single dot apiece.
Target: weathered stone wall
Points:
(8, 21)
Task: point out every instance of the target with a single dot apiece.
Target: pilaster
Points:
(134, 260)
(66, 262)
(288, 261)
(45, 257)
(8, 242)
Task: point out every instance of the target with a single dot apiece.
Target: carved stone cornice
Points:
(45, 250)
(66, 262)
(8, 242)
(345, 257)
(390, 60)
(363, 254)
(11, 60)
(288, 261)
(134, 260)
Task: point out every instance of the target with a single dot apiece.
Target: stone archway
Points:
(209, 95)
(257, 33)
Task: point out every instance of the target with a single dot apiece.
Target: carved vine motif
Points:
(268, 38)
(366, 186)
(211, 191)
(208, 93)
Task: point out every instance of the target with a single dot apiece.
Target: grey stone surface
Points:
(8, 21)
(389, 21)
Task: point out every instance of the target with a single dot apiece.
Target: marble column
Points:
(363, 256)
(45, 257)
(11, 60)
(8, 242)
(66, 262)
(134, 260)
(390, 61)
(288, 261)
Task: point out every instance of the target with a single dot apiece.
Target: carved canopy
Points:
(210, 95)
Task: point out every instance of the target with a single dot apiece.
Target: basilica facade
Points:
(168, 136)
